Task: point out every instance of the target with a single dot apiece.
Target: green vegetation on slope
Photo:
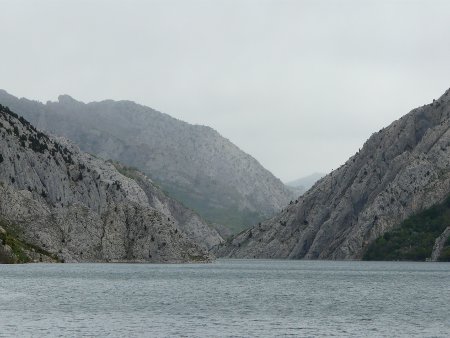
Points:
(414, 239)
(129, 172)
(228, 215)
(20, 248)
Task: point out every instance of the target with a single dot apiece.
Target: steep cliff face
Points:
(193, 163)
(78, 207)
(400, 170)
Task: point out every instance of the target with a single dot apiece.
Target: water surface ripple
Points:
(228, 298)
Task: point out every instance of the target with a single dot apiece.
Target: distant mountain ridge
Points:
(301, 185)
(193, 163)
(401, 170)
(306, 181)
(60, 204)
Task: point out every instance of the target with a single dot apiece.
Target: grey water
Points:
(228, 298)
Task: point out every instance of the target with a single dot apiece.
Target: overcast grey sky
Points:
(300, 85)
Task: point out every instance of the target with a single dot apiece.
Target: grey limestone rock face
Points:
(180, 216)
(194, 163)
(399, 171)
(82, 209)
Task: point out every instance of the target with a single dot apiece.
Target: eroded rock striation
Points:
(399, 171)
(79, 208)
(440, 244)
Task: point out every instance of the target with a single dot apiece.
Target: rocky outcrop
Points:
(193, 163)
(82, 209)
(6, 253)
(400, 170)
(183, 218)
(440, 244)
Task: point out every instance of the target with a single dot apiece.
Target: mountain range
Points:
(57, 203)
(192, 163)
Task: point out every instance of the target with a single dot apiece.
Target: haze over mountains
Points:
(401, 170)
(60, 204)
(301, 185)
(193, 163)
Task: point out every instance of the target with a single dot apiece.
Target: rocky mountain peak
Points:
(67, 100)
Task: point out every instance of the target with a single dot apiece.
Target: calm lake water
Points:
(233, 298)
